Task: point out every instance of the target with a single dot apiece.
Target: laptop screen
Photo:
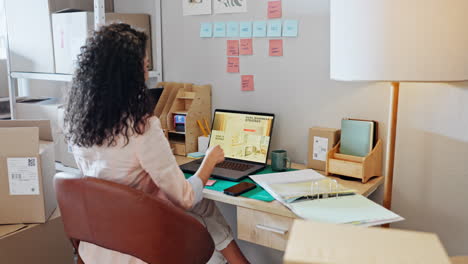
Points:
(242, 136)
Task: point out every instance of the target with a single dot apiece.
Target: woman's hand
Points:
(214, 156)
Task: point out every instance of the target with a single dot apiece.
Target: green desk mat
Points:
(258, 193)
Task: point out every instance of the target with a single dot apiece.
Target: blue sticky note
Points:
(245, 29)
(206, 30)
(232, 29)
(274, 28)
(259, 29)
(219, 30)
(290, 28)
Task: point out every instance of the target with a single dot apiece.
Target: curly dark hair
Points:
(109, 97)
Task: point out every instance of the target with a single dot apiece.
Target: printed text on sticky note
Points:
(276, 47)
(274, 9)
(247, 82)
(246, 47)
(233, 65)
(233, 47)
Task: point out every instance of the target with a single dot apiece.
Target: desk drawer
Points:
(264, 229)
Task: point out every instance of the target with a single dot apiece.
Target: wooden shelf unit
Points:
(193, 101)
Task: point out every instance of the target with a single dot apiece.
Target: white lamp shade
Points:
(399, 40)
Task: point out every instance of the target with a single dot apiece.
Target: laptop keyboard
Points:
(234, 166)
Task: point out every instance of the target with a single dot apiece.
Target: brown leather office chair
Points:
(126, 220)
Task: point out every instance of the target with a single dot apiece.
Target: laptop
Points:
(245, 138)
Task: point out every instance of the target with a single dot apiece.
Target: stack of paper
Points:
(351, 209)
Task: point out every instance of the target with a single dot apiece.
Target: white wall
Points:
(431, 174)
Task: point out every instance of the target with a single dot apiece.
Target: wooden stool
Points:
(459, 260)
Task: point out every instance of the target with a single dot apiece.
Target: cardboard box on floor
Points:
(36, 243)
(321, 140)
(27, 169)
(71, 29)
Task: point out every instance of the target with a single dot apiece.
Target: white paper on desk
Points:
(354, 209)
(264, 180)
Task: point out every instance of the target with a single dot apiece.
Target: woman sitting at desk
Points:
(109, 121)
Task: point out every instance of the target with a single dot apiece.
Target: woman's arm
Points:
(156, 158)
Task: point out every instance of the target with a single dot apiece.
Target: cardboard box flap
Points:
(19, 141)
(313, 242)
(9, 229)
(45, 131)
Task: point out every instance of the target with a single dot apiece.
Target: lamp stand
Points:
(392, 121)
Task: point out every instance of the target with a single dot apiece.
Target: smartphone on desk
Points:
(240, 188)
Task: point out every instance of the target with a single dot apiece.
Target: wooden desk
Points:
(268, 223)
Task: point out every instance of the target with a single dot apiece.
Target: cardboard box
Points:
(36, 243)
(321, 140)
(27, 169)
(34, 108)
(40, 108)
(71, 29)
(65, 152)
(29, 30)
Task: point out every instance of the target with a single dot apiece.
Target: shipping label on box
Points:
(321, 140)
(23, 176)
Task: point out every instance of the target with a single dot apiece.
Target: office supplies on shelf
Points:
(188, 100)
(203, 143)
(196, 155)
(357, 137)
(350, 209)
(200, 125)
(208, 129)
(179, 123)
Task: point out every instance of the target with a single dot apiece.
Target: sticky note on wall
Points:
(274, 9)
(246, 47)
(206, 30)
(259, 29)
(290, 28)
(274, 28)
(232, 29)
(247, 82)
(245, 29)
(233, 65)
(219, 30)
(276, 47)
(233, 47)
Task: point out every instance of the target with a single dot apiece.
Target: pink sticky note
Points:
(210, 182)
(233, 64)
(274, 9)
(276, 47)
(246, 47)
(233, 47)
(247, 82)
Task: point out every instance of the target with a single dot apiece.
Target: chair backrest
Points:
(126, 220)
